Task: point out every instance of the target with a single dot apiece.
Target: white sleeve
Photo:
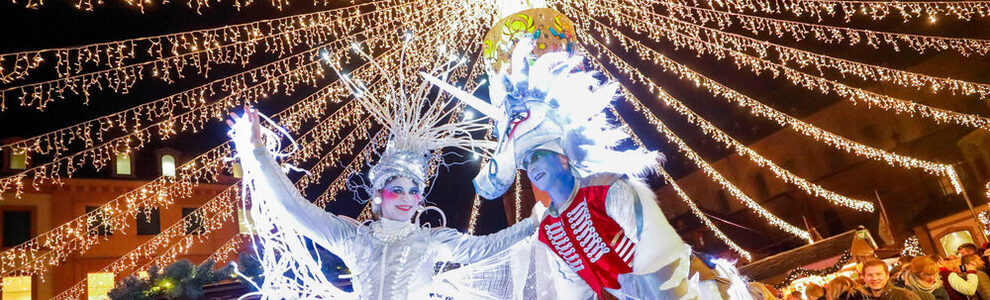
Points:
(465, 248)
(620, 204)
(964, 286)
(632, 205)
(290, 208)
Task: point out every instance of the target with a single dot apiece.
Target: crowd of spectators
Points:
(958, 277)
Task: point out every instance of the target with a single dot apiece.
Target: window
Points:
(149, 222)
(235, 170)
(123, 164)
(244, 221)
(18, 160)
(16, 227)
(195, 224)
(168, 165)
(17, 288)
(950, 242)
(98, 285)
(96, 226)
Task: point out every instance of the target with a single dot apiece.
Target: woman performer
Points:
(390, 257)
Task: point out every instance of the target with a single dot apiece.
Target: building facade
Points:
(40, 210)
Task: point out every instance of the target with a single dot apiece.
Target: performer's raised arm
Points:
(466, 248)
(292, 209)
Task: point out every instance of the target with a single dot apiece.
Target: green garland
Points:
(180, 280)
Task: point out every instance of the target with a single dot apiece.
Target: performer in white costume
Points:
(603, 231)
(391, 257)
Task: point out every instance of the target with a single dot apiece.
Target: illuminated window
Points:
(98, 285)
(244, 221)
(235, 170)
(142, 274)
(168, 165)
(950, 242)
(17, 288)
(123, 164)
(18, 161)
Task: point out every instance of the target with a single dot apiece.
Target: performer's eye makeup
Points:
(533, 157)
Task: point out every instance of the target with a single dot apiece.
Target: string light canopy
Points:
(285, 59)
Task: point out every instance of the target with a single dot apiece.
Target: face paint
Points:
(400, 199)
(544, 169)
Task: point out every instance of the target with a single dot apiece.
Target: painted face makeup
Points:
(544, 168)
(400, 199)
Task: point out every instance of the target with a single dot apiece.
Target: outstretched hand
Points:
(252, 116)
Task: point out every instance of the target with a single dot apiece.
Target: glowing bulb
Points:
(468, 115)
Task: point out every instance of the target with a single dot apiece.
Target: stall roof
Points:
(783, 262)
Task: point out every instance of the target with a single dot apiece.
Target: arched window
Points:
(168, 165)
(951, 241)
(123, 164)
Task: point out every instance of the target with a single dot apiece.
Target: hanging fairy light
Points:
(343, 147)
(761, 110)
(722, 137)
(78, 241)
(680, 192)
(116, 66)
(825, 33)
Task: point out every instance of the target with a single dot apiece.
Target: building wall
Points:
(57, 205)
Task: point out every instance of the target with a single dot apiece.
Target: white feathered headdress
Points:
(550, 103)
(417, 126)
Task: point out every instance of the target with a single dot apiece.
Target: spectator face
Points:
(875, 277)
(964, 251)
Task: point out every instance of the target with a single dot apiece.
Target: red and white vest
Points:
(588, 240)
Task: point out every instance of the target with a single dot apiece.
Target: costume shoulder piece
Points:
(599, 179)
